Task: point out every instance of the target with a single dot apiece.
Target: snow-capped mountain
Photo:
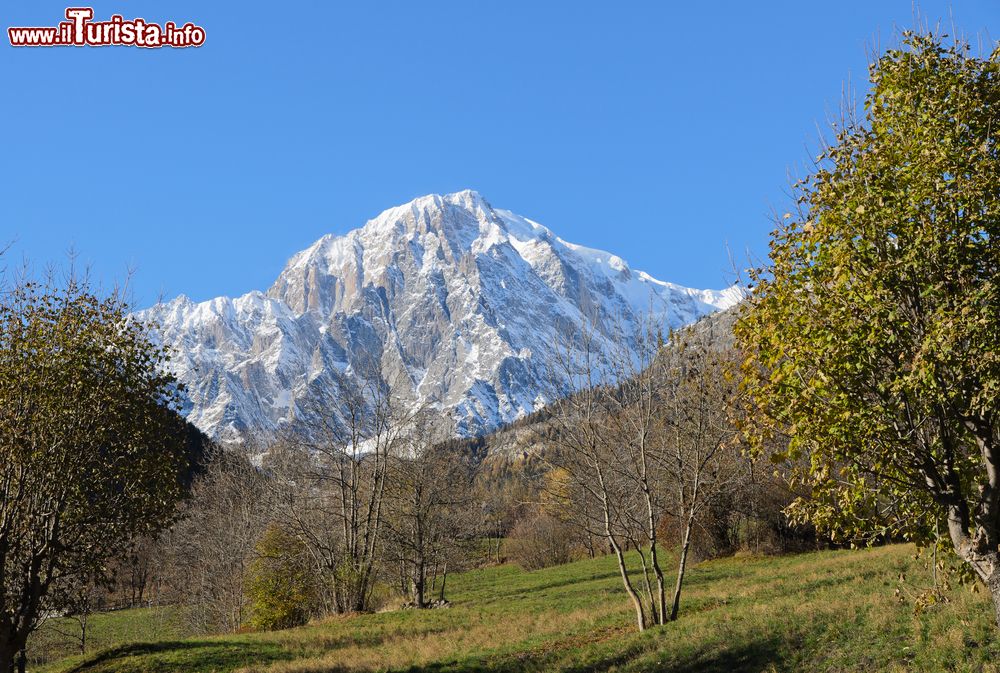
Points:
(464, 305)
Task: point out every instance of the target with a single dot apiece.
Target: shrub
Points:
(282, 586)
(541, 541)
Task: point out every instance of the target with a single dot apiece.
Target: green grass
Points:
(57, 639)
(827, 611)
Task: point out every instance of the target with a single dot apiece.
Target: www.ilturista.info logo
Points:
(81, 31)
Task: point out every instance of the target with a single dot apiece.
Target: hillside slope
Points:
(825, 611)
(525, 437)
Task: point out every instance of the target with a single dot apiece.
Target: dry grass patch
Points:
(825, 611)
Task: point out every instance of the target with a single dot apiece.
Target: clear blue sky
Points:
(659, 131)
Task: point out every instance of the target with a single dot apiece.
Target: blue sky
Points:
(660, 131)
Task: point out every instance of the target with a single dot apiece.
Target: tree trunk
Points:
(9, 649)
(12, 655)
(419, 577)
(681, 567)
(444, 579)
(655, 617)
(661, 591)
(976, 551)
(994, 589)
(640, 613)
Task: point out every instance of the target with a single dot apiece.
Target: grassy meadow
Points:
(823, 611)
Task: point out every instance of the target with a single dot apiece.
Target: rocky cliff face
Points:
(464, 306)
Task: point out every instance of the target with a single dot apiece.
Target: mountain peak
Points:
(462, 304)
(431, 212)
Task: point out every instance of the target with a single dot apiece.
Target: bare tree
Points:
(498, 502)
(699, 454)
(584, 448)
(429, 493)
(81, 603)
(636, 449)
(541, 541)
(209, 550)
(330, 480)
(649, 434)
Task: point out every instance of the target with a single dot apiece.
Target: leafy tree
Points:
(90, 451)
(282, 582)
(873, 340)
